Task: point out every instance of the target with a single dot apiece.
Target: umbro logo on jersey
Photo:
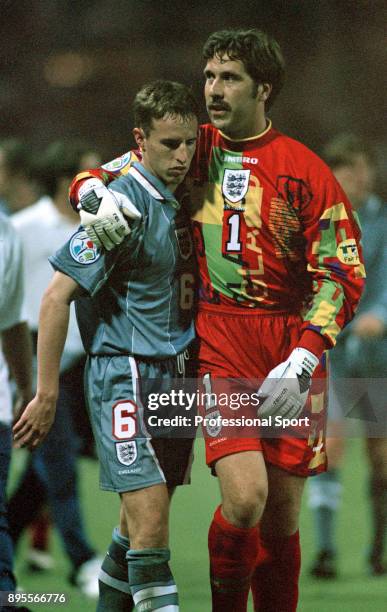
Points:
(240, 160)
(235, 184)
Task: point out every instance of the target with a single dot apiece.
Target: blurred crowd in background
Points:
(70, 69)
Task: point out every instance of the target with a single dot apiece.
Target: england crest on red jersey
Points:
(235, 184)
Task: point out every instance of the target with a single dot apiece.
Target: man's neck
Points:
(256, 129)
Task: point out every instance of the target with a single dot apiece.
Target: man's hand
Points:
(102, 213)
(35, 423)
(286, 387)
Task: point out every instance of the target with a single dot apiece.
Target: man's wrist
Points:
(314, 342)
(89, 185)
(304, 360)
(90, 196)
(47, 395)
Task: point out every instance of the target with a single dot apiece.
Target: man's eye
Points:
(171, 144)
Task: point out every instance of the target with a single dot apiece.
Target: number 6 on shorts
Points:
(124, 420)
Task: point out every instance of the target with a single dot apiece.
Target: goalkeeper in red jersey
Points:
(281, 273)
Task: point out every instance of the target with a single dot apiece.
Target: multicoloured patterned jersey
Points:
(273, 230)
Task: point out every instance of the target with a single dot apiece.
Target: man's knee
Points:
(146, 512)
(243, 483)
(285, 504)
(153, 534)
(149, 532)
(244, 507)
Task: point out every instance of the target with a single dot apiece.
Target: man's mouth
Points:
(217, 108)
(177, 171)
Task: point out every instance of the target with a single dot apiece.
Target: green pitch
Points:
(193, 506)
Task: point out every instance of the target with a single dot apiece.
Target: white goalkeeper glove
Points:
(102, 213)
(286, 387)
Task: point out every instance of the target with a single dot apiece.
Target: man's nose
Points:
(182, 153)
(216, 89)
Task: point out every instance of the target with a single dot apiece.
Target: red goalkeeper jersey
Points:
(272, 227)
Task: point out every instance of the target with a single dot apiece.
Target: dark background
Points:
(71, 68)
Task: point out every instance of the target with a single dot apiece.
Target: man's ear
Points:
(264, 91)
(139, 137)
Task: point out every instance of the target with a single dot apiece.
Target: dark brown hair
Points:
(260, 54)
(163, 98)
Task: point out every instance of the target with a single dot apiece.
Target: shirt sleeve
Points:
(12, 279)
(334, 260)
(106, 173)
(87, 265)
(91, 267)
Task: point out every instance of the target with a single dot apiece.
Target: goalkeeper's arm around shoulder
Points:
(102, 212)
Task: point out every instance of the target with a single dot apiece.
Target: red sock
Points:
(40, 531)
(233, 553)
(275, 580)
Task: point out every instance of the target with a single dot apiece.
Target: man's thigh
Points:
(240, 474)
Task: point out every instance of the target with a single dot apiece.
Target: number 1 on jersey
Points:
(234, 232)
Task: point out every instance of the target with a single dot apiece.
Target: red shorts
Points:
(248, 346)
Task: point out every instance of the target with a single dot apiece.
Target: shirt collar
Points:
(152, 184)
(265, 131)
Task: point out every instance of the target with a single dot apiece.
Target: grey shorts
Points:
(132, 457)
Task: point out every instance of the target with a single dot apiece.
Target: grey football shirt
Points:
(141, 294)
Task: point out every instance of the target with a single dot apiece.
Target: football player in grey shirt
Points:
(135, 311)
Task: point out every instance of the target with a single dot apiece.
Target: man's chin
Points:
(218, 122)
(173, 182)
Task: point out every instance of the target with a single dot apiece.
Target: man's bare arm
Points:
(36, 420)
